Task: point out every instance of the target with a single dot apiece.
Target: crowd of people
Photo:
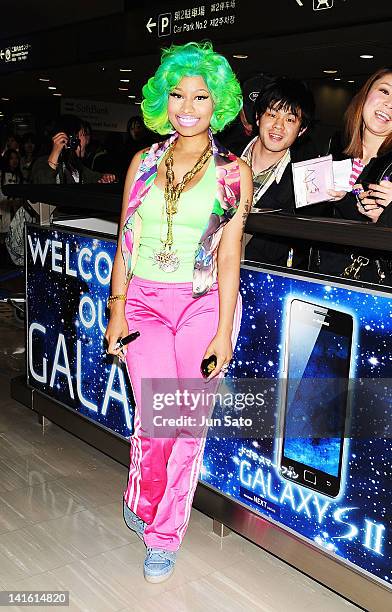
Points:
(269, 133)
(273, 129)
(70, 155)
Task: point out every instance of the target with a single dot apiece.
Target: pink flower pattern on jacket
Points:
(225, 205)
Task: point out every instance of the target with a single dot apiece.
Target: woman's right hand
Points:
(336, 195)
(59, 141)
(117, 328)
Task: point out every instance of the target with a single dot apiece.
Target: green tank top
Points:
(194, 209)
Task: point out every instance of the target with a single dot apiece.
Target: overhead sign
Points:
(194, 19)
(103, 116)
(230, 20)
(144, 29)
(15, 55)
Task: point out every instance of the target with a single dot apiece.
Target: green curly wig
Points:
(191, 59)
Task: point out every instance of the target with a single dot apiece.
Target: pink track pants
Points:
(175, 330)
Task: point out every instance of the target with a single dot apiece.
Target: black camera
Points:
(73, 142)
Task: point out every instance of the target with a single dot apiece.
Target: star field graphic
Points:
(67, 289)
(356, 526)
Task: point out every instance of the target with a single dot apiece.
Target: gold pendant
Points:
(167, 261)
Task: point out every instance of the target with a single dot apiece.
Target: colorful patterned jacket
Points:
(226, 202)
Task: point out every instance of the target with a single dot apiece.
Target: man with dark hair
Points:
(284, 110)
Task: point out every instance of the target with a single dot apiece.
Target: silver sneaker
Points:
(133, 521)
(159, 564)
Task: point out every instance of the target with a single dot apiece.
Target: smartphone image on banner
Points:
(315, 398)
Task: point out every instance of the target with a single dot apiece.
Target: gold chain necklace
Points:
(166, 259)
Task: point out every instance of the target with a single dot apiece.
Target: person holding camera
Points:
(64, 163)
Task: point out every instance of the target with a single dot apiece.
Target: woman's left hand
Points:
(381, 193)
(373, 201)
(221, 347)
(372, 211)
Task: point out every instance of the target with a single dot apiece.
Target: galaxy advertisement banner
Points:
(311, 452)
(68, 282)
(323, 356)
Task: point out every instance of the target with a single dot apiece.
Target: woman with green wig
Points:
(175, 280)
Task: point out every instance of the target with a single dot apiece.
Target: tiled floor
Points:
(61, 528)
